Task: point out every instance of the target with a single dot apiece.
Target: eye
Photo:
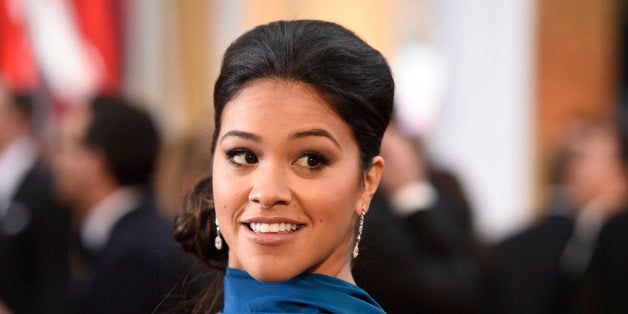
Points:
(312, 160)
(241, 156)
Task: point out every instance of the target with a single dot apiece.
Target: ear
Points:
(371, 182)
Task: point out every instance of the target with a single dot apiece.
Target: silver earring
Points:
(218, 240)
(356, 249)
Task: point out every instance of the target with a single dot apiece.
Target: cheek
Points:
(225, 186)
(229, 196)
(332, 204)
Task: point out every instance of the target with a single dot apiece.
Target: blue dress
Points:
(306, 293)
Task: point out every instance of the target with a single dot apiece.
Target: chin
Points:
(271, 273)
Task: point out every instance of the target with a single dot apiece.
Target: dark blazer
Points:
(33, 248)
(531, 279)
(138, 266)
(424, 263)
(606, 282)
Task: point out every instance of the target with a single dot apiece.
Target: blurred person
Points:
(606, 280)
(125, 260)
(33, 226)
(419, 253)
(542, 267)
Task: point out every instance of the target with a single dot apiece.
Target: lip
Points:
(271, 220)
(270, 239)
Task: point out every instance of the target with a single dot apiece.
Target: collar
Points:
(15, 162)
(97, 226)
(306, 293)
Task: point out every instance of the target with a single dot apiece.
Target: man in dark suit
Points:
(33, 227)
(605, 287)
(543, 266)
(606, 280)
(127, 262)
(417, 253)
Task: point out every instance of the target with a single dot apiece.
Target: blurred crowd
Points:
(89, 191)
(82, 229)
(425, 259)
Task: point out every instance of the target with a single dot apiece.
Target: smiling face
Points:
(287, 182)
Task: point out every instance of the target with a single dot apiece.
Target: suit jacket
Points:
(137, 267)
(33, 248)
(606, 283)
(424, 263)
(531, 278)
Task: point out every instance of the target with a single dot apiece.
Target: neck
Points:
(339, 271)
(335, 266)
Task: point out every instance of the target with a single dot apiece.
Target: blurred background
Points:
(490, 86)
(511, 121)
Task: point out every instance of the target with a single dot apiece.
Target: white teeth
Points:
(274, 227)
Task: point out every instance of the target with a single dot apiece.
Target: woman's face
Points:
(287, 183)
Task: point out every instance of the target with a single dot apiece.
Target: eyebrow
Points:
(242, 134)
(297, 135)
(316, 132)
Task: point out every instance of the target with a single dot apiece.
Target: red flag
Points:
(95, 19)
(17, 66)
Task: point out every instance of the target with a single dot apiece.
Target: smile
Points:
(273, 227)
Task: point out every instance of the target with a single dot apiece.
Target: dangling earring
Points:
(356, 249)
(218, 240)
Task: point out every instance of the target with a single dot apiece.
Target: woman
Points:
(300, 111)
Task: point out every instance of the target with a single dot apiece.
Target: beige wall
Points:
(577, 66)
(370, 19)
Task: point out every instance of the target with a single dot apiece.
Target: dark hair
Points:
(352, 77)
(23, 102)
(127, 137)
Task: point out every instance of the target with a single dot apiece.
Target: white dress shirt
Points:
(414, 197)
(97, 226)
(15, 162)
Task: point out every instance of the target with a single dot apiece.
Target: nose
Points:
(270, 187)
